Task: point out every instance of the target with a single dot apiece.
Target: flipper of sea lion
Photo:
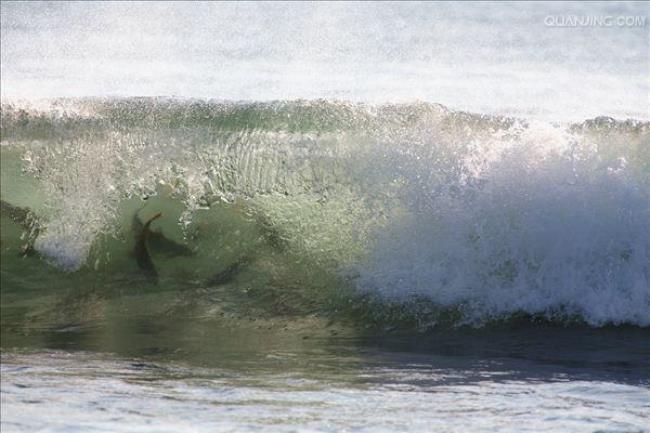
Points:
(159, 243)
(230, 272)
(141, 250)
(26, 219)
(19, 215)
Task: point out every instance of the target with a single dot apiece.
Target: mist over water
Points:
(499, 58)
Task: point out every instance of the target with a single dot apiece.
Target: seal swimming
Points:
(146, 241)
(229, 273)
(25, 218)
(158, 242)
(141, 249)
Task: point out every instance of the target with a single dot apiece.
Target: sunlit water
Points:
(530, 382)
(355, 239)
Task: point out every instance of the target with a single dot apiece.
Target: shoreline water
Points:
(519, 381)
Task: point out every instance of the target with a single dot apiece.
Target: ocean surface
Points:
(413, 217)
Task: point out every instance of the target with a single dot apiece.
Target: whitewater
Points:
(412, 217)
(485, 216)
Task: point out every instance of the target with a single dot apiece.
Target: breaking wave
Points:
(408, 210)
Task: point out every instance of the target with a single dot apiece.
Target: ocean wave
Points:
(412, 208)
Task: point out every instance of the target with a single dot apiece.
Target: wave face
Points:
(409, 210)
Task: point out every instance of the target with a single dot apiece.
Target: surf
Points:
(399, 213)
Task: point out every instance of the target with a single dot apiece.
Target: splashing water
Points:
(481, 215)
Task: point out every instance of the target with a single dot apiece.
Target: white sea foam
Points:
(484, 215)
(534, 219)
(81, 392)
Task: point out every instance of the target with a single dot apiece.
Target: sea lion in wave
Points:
(141, 249)
(25, 218)
(148, 240)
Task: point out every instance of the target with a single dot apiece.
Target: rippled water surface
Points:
(544, 380)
